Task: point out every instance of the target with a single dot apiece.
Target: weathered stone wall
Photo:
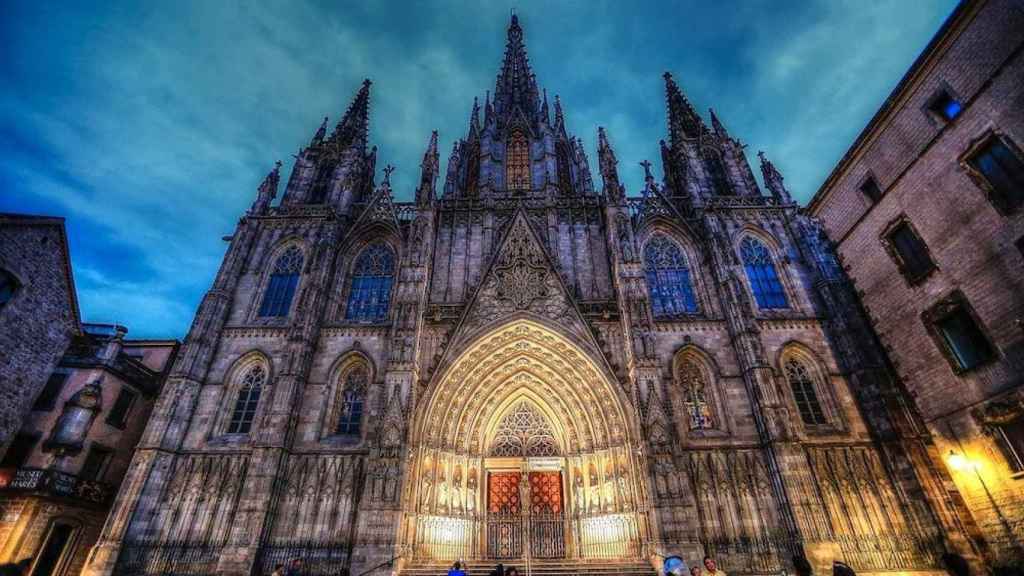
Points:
(37, 324)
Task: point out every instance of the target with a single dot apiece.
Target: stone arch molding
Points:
(523, 361)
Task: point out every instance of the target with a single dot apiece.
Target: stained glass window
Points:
(372, 277)
(802, 384)
(668, 278)
(247, 401)
(764, 280)
(277, 299)
(353, 394)
(517, 158)
(695, 397)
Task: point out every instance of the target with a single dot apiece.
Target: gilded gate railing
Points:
(512, 536)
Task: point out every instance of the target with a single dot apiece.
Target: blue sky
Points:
(149, 125)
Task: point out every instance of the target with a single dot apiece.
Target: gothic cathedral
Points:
(521, 367)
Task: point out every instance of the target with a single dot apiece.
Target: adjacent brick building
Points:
(64, 466)
(927, 213)
(38, 311)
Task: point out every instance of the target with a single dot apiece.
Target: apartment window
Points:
(1000, 168)
(909, 251)
(47, 399)
(1010, 438)
(18, 452)
(118, 416)
(870, 189)
(95, 465)
(960, 336)
(945, 106)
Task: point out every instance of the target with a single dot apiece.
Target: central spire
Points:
(516, 86)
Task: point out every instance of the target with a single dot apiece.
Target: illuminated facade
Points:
(527, 368)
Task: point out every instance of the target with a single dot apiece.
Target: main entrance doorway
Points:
(525, 511)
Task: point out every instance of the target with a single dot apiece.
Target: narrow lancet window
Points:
(517, 161)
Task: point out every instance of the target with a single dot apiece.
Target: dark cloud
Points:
(149, 125)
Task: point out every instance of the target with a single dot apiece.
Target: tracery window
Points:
(524, 432)
(372, 277)
(517, 159)
(353, 398)
(764, 280)
(564, 172)
(719, 179)
(321, 184)
(668, 278)
(696, 400)
(801, 382)
(248, 400)
(277, 299)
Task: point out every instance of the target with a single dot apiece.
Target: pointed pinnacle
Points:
(717, 124)
(354, 124)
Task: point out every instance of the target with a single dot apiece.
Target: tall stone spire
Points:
(321, 132)
(429, 170)
(773, 180)
(516, 86)
(474, 120)
(683, 120)
(717, 125)
(608, 165)
(354, 125)
(559, 118)
(267, 190)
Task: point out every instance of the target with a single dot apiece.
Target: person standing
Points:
(456, 570)
(294, 567)
(712, 567)
(278, 570)
(840, 568)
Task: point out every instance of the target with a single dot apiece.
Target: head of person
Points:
(511, 571)
(695, 571)
(801, 566)
(709, 563)
(296, 563)
(278, 567)
(457, 565)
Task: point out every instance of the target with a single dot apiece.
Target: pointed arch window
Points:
(696, 396)
(801, 382)
(353, 399)
(764, 280)
(248, 399)
(564, 172)
(524, 432)
(372, 278)
(321, 184)
(668, 278)
(716, 170)
(517, 159)
(277, 299)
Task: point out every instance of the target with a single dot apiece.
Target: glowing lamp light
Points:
(958, 461)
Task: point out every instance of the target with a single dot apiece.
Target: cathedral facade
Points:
(522, 366)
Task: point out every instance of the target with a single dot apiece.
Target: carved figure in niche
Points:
(425, 492)
(457, 488)
(625, 243)
(471, 491)
(595, 488)
(579, 495)
(391, 483)
(442, 492)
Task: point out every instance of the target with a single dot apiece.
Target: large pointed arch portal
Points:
(523, 447)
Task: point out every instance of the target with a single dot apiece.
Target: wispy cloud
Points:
(150, 125)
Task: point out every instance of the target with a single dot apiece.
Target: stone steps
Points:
(537, 568)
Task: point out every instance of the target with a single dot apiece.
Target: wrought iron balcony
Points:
(54, 483)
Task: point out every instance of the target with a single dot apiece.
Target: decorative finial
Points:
(387, 174)
(647, 170)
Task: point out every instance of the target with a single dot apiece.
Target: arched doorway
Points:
(524, 447)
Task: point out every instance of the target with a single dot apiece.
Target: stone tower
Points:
(524, 367)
